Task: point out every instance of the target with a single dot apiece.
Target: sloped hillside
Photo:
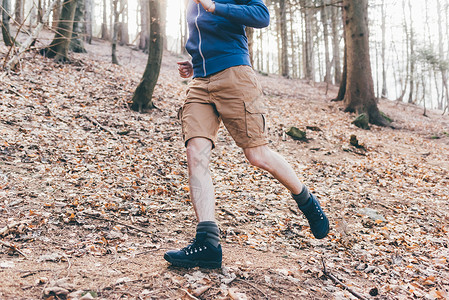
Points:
(92, 194)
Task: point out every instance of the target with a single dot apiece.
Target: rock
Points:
(361, 267)
(87, 296)
(54, 257)
(372, 214)
(374, 292)
(56, 291)
(75, 295)
(355, 142)
(64, 283)
(42, 280)
(296, 133)
(362, 121)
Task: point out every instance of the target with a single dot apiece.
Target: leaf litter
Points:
(93, 194)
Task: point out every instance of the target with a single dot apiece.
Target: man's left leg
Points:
(268, 160)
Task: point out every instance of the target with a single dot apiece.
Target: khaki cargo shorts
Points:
(233, 96)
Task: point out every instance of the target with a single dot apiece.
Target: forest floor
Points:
(92, 193)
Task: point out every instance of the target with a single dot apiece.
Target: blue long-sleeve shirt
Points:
(218, 41)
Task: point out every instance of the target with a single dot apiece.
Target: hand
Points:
(185, 69)
(208, 5)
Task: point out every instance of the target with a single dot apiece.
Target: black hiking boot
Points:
(198, 254)
(319, 224)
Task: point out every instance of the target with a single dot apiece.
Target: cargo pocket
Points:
(254, 117)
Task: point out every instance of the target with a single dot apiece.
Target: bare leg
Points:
(268, 160)
(200, 180)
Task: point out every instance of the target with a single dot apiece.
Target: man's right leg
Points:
(200, 122)
(205, 251)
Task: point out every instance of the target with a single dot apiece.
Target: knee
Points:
(257, 156)
(199, 149)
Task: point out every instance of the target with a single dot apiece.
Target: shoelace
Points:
(316, 213)
(193, 248)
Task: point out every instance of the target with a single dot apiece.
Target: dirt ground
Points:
(92, 194)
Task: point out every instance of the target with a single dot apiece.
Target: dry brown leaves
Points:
(70, 149)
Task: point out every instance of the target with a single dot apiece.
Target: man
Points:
(225, 88)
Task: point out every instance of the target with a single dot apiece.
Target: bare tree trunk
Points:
(284, 39)
(308, 42)
(142, 98)
(359, 96)
(89, 9)
(259, 51)
(412, 56)
(250, 36)
(56, 15)
(144, 24)
(59, 47)
(292, 44)
(336, 22)
(383, 54)
(324, 20)
(185, 33)
(104, 24)
(18, 11)
(7, 39)
(115, 29)
(407, 40)
(77, 44)
(123, 25)
(39, 11)
(441, 55)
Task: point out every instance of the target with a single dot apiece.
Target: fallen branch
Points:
(116, 221)
(5, 230)
(253, 286)
(13, 248)
(31, 273)
(338, 281)
(95, 122)
(15, 59)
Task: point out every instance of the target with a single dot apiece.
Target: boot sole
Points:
(192, 264)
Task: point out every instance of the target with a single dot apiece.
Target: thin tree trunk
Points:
(56, 15)
(250, 36)
(336, 23)
(123, 37)
(142, 98)
(407, 40)
(284, 38)
(104, 24)
(7, 39)
(115, 31)
(18, 11)
(383, 54)
(344, 75)
(77, 44)
(59, 47)
(324, 20)
(89, 9)
(412, 56)
(308, 42)
(39, 11)
(292, 44)
(441, 55)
